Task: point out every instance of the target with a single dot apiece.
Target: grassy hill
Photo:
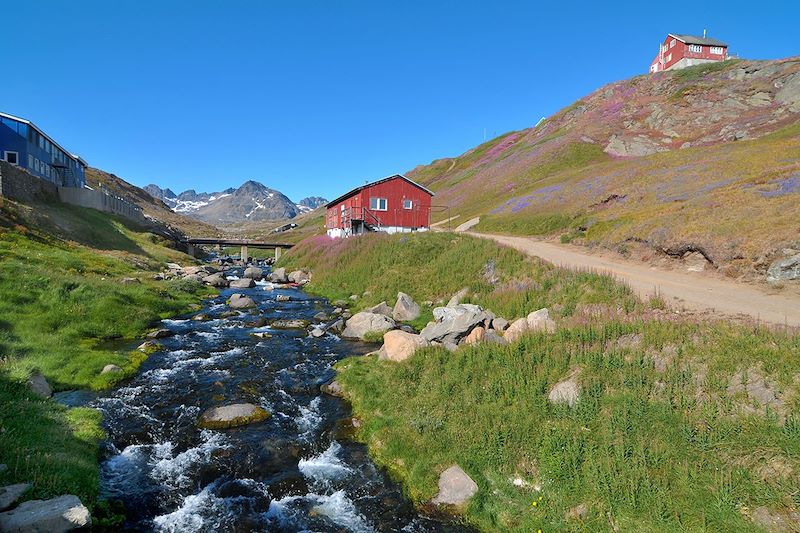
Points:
(703, 158)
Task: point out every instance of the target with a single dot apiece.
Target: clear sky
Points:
(312, 98)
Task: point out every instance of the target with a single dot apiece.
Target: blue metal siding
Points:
(38, 155)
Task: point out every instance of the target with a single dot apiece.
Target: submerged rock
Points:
(228, 416)
(455, 487)
(64, 513)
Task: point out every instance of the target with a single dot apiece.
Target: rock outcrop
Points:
(784, 270)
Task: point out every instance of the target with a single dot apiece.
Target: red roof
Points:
(365, 186)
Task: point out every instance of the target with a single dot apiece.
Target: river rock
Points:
(148, 346)
(57, 515)
(337, 326)
(322, 316)
(399, 345)
(291, 323)
(39, 386)
(317, 332)
(299, 277)
(365, 322)
(160, 333)
(334, 388)
(405, 309)
(259, 322)
(381, 309)
(784, 270)
(201, 317)
(240, 301)
(453, 322)
(228, 416)
(567, 390)
(455, 487)
(244, 283)
(278, 276)
(261, 335)
(11, 493)
(253, 273)
(216, 280)
(282, 298)
(111, 369)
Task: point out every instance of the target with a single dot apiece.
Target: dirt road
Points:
(696, 292)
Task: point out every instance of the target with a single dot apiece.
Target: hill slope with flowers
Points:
(704, 160)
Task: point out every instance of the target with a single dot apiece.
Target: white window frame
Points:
(408, 203)
(16, 157)
(30, 161)
(376, 206)
(672, 43)
(696, 48)
(716, 50)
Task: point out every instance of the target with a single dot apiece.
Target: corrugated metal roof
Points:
(46, 136)
(361, 188)
(693, 39)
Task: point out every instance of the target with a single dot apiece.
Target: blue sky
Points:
(313, 98)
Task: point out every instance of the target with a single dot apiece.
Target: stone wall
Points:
(17, 184)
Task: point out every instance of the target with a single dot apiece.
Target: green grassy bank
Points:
(65, 313)
(680, 425)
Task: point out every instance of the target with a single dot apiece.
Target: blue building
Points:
(25, 145)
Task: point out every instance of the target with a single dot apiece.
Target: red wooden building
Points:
(394, 205)
(681, 51)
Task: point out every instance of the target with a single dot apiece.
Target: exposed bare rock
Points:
(228, 416)
(160, 333)
(567, 391)
(405, 309)
(65, 513)
(400, 345)
(11, 493)
(111, 369)
(453, 322)
(244, 283)
(39, 386)
(240, 301)
(635, 146)
(364, 322)
(475, 336)
(253, 273)
(381, 309)
(334, 388)
(457, 297)
(758, 391)
(455, 487)
(216, 280)
(536, 321)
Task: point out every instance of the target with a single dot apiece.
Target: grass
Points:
(65, 313)
(648, 447)
(431, 267)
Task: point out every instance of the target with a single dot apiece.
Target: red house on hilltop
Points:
(394, 205)
(681, 51)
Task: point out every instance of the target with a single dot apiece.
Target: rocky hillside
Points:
(252, 202)
(702, 160)
(154, 208)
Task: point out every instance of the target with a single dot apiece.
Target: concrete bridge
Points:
(218, 243)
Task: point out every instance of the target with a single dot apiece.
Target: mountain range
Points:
(251, 202)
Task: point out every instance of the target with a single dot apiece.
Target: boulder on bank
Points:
(299, 276)
(111, 369)
(39, 385)
(278, 276)
(536, 321)
(453, 323)
(160, 333)
(64, 513)
(240, 301)
(253, 273)
(567, 391)
(228, 416)
(244, 283)
(380, 309)
(11, 493)
(365, 322)
(475, 336)
(334, 388)
(399, 345)
(405, 309)
(457, 297)
(216, 280)
(455, 487)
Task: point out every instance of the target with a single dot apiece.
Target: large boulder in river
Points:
(537, 321)
(39, 386)
(228, 416)
(253, 273)
(399, 345)
(455, 487)
(453, 323)
(278, 276)
(240, 301)
(405, 309)
(244, 283)
(360, 324)
(65, 513)
(216, 280)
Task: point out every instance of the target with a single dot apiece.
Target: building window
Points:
(696, 48)
(716, 50)
(668, 58)
(408, 204)
(12, 157)
(378, 204)
(30, 161)
(672, 43)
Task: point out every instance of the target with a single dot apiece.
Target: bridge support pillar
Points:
(244, 254)
(190, 249)
(277, 253)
